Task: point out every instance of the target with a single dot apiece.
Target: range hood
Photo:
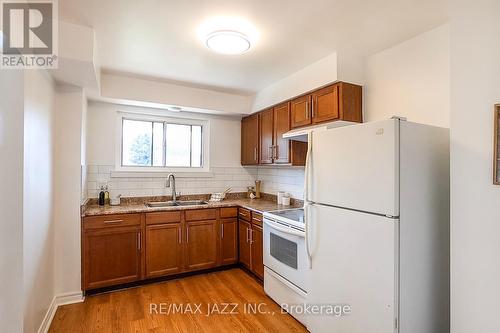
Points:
(300, 134)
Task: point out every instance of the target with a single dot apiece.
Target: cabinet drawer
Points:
(201, 214)
(228, 212)
(163, 217)
(97, 222)
(257, 218)
(244, 214)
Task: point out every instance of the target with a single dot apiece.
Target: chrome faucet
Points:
(171, 182)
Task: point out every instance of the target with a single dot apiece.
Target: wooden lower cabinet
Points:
(229, 241)
(111, 256)
(201, 244)
(252, 243)
(163, 249)
(123, 248)
(257, 242)
(244, 228)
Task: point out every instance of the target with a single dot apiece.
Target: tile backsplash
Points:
(274, 179)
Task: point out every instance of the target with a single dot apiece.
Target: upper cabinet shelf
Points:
(262, 140)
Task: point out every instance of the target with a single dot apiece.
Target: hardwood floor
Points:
(227, 296)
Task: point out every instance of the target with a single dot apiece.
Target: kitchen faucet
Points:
(171, 182)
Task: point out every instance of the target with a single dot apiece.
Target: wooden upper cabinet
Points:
(250, 140)
(266, 125)
(281, 126)
(350, 102)
(325, 104)
(201, 244)
(111, 256)
(300, 111)
(163, 249)
(340, 101)
(229, 241)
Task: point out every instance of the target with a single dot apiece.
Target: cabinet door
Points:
(163, 249)
(281, 126)
(250, 140)
(111, 256)
(201, 244)
(325, 104)
(229, 241)
(300, 111)
(266, 125)
(244, 241)
(257, 251)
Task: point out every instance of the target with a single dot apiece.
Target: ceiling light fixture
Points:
(228, 42)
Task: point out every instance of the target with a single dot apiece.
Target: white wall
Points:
(11, 200)
(322, 72)
(38, 219)
(410, 79)
(70, 105)
(475, 202)
(138, 89)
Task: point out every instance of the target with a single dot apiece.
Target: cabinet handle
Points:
(139, 241)
(113, 221)
(307, 110)
(256, 219)
(248, 238)
(312, 108)
(271, 151)
(180, 236)
(276, 154)
(187, 235)
(251, 236)
(222, 230)
(243, 214)
(255, 153)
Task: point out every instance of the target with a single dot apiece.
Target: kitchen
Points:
(249, 166)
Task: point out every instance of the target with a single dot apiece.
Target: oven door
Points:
(285, 252)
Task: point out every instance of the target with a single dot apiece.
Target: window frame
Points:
(205, 139)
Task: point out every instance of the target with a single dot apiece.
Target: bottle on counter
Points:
(257, 188)
(106, 196)
(102, 197)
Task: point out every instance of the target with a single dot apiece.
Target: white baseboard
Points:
(58, 300)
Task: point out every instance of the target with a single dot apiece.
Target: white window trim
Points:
(144, 171)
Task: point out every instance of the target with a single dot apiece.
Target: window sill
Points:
(161, 174)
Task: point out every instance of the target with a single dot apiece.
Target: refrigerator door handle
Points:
(307, 176)
(307, 203)
(308, 231)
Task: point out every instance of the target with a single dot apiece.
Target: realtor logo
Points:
(29, 34)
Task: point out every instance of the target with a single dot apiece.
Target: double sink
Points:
(176, 203)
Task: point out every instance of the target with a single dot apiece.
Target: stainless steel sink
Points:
(176, 203)
(162, 204)
(191, 203)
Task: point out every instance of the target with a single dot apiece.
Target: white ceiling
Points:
(158, 38)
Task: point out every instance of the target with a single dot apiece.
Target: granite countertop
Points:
(265, 204)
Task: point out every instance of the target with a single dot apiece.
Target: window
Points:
(155, 143)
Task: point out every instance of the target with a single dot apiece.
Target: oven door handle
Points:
(286, 230)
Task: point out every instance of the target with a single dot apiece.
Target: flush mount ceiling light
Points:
(228, 42)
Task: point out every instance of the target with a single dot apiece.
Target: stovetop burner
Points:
(296, 215)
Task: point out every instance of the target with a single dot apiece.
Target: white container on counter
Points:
(280, 197)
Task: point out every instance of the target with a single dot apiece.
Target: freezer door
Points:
(356, 167)
(354, 263)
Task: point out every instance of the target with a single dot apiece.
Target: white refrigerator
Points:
(377, 228)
